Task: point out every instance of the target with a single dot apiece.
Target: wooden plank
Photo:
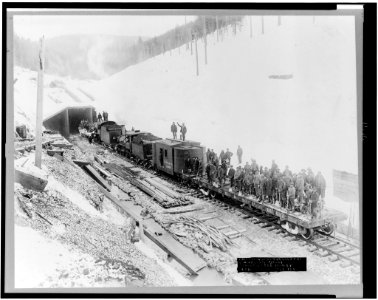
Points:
(102, 171)
(62, 145)
(99, 160)
(81, 162)
(185, 256)
(97, 177)
(181, 211)
(30, 181)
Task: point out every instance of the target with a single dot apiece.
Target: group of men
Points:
(217, 167)
(103, 117)
(193, 165)
(303, 192)
(183, 130)
(84, 124)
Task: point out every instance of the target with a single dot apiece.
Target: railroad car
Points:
(293, 222)
(137, 144)
(108, 133)
(169, 155)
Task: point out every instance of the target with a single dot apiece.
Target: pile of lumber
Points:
(160, 193)
(214, 238)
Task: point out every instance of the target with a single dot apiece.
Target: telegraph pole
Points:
(38, 127)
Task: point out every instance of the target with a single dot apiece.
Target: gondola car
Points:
(137, 144)
(169, 155)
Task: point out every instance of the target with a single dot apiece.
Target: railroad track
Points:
(334, 248)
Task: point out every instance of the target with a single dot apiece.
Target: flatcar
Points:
(293, 222)
(136, 144)
(169, 155)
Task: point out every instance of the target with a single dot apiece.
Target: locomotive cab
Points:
(172, 156)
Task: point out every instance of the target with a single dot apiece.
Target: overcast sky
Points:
(33, 27)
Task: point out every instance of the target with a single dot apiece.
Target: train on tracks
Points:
(169, 156)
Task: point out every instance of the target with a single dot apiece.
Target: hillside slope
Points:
(309, 120)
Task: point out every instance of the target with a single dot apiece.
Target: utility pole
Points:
(204, 38)
(196, 54)
(262, 24)
(38, 127)
(250, 26)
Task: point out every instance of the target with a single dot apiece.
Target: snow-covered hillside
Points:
(307, 121)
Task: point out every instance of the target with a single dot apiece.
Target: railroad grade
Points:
(327, 246)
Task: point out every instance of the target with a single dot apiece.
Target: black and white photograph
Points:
(184, 148)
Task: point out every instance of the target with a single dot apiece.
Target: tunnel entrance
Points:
(67, 120)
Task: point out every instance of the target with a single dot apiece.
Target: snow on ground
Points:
(307, 121)
(37, 258)
(148, 251)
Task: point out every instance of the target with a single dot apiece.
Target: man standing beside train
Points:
(174, 130)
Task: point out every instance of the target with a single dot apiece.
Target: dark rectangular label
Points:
(272, 264)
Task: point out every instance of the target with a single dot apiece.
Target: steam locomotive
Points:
(166, 155)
